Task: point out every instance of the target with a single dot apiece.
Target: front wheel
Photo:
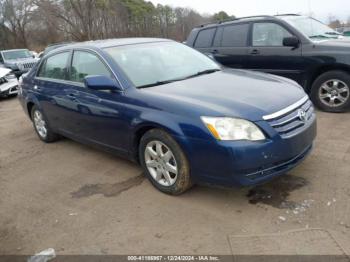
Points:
(164, 162)
(331, 91)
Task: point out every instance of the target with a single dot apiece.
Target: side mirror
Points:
(291, 41)
(100, 82)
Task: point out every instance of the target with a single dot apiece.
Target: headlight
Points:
(225, 128)
(10, 76)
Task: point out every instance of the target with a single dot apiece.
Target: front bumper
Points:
(245, 163)
(9, 88)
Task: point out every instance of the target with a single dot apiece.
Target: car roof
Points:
(113, 42)
(14, 50)
(247, 19)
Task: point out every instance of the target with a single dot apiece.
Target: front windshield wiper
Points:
(204, 72)
(333, 33)
(158, 83)
(319, 36)
(328, 35)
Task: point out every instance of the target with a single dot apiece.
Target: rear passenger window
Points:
(235, 35)
(84, 64)
(205, 38)
(55, 67)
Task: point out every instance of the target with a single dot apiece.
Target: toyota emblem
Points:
(302, 115)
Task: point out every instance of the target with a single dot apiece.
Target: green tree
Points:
(222, 16)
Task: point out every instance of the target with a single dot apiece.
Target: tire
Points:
(48, 136)
(324, 90)
(168, 182)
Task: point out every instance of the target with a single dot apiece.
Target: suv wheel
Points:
(164, 162)
(41, 126)
(331, 91)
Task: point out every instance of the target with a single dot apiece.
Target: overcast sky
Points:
(321, 9)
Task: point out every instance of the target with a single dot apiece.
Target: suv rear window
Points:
(205, 38)
(235, 35)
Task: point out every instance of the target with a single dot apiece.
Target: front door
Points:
(97, 115)
(267, 53)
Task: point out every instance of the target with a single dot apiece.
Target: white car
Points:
(8, 83)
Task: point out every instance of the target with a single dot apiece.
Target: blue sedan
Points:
(175, 111)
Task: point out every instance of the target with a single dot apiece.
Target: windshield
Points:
(312, 28)
(157, 63)
(16, 54)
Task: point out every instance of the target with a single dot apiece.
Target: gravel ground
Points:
(78, 200)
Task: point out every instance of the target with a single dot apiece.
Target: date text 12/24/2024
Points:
(173, 258)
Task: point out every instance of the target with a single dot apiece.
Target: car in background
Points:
(8, 83)
(345, 31)
(19, 61)
(170, 108)
(293, 46)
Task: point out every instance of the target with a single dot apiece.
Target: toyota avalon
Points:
(181, 116)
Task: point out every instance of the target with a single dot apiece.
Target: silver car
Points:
(8, 83)
(19, 61)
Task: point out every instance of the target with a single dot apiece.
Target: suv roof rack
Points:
(236, 19)
(288, 14)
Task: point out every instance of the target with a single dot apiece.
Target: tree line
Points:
(36, 23)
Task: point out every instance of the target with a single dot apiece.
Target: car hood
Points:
(4, 71)
(234, 93)
(341, 44)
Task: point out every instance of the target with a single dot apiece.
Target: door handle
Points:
(215, 51)
(255, 52)
(71, 95)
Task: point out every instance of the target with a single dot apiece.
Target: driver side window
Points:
(84, 64)
(269, 34)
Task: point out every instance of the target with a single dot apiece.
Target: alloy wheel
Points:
(334, 93)
(161, 163)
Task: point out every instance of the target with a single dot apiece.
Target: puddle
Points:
(276, 192)
(108, 190)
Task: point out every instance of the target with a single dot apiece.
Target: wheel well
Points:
(29, 108)
(137, 138)
(323, 70)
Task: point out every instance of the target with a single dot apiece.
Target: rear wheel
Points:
(331, 91)
(164, 162)
(41, 126)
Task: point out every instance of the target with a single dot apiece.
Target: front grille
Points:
(294, 121)
(26, 66)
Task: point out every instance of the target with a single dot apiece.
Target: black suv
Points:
(293, 46)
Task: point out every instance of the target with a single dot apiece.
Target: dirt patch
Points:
(276, 192)
(302, 243)
(108, 190)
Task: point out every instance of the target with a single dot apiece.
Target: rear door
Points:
(230, 45)
(204, 40)
(267, 53)
(49, 86)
